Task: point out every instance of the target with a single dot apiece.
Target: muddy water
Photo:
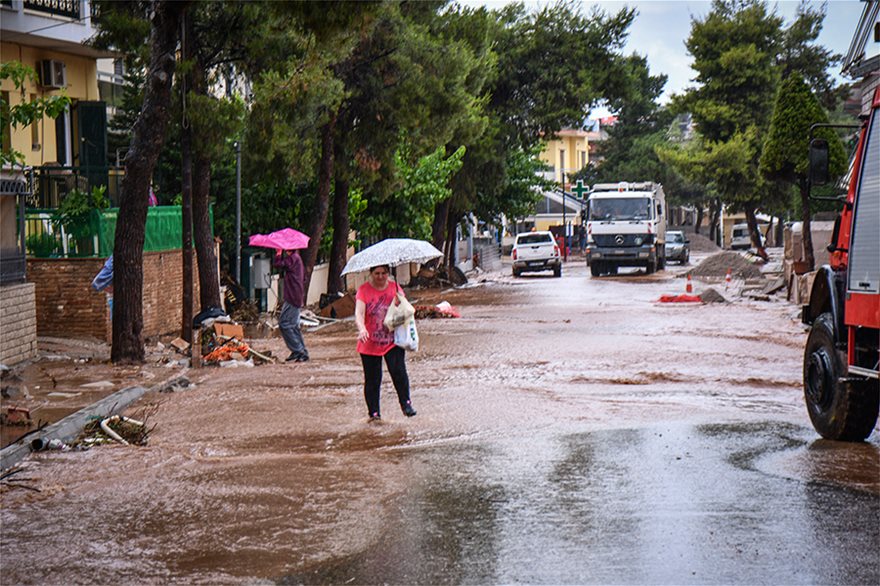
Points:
(570, 431)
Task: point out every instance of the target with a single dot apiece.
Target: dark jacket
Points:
(292, 265)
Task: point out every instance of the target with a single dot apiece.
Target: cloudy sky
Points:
(662, 26)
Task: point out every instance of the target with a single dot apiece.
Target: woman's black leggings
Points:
(396, 361)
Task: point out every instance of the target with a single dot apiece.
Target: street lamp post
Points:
(237, 146)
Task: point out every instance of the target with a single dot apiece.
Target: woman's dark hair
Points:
(386, 267)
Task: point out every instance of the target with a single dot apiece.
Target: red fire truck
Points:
(841, 384)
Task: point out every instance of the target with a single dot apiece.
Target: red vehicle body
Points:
(841, 384)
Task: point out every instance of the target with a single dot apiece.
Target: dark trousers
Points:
(395, 359)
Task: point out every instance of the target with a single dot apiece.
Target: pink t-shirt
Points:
(376, 304)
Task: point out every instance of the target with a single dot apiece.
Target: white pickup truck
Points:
(535, 251)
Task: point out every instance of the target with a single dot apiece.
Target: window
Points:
(864, 262)
(583, 159)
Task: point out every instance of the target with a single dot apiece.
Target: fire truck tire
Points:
(839, 410)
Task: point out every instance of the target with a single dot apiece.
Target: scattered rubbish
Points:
(118, 428)
(63, 395)
(225, 351)
(441, 310)
(160, 346)
(180, 345)
(339, 308)
(175, 385)
(15, 392)
(57, 444)
(229, 330)
(249, 363)
(16, 416)
(211, 315)
(775, 286)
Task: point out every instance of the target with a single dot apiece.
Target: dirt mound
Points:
(717, 265)
(701, 243)
(712, 295)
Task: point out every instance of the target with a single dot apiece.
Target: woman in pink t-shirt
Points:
(375, 341)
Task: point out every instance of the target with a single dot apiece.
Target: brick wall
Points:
(18, 323)
(68, 307)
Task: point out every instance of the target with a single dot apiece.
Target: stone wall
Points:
(18, 323)
(68, 307)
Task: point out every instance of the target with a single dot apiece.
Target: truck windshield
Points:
(620, 208)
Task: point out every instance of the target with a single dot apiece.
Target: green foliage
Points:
(786, 149)
(26, 112)
(42, 245)
(77, 209)
(408, 212)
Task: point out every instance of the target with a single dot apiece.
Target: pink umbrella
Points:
(286, 239)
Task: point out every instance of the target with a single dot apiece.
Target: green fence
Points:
(45, 239)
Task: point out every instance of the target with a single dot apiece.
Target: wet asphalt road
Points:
(570, 431)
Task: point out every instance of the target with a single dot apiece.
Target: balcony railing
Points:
(53, 183)
(66, 8)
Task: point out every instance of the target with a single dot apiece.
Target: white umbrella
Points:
(392, 252)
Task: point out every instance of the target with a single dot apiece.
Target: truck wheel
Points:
(594, 269)
(557, 272)
(516, 273)
(612, 269)
(839, 410)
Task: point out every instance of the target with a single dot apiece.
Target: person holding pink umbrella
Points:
(286, 243)
(291, 264)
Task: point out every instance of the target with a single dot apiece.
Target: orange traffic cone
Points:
(689, 288)
(727, 279)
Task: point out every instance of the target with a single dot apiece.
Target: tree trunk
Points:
(341, 228)
(699, 221)
(451, 242)
(713, 221)
(754, 233)
(438, 229)
(148, 136)
(807, 235)
(209, 277)
(186, 233)
(779, 240)
(322, 203)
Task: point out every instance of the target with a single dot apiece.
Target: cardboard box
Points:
(229, 330)
(341, 308)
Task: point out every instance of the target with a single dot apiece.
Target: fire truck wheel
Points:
(839, 410)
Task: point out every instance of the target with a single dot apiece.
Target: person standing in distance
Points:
(290, 262)
(375, 342)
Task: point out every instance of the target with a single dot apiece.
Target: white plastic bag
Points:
(398, 312)
(406, 336)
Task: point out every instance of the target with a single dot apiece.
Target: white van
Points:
(740, 239)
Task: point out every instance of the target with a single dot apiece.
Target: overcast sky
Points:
(662, 26)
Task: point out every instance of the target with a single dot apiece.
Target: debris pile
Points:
(717, 266)
(441, 310)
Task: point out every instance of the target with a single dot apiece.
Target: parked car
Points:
(677, 247)
(536, 251)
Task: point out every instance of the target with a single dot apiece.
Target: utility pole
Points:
(237, 146)
(564, 227)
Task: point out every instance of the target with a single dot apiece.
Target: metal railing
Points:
(67, 8)
(53, 183)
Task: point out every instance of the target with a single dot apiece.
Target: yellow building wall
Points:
(575, 157)
(82, 84)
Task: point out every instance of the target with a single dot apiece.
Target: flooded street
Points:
(569, 430)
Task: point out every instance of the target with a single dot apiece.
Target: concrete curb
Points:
(69, 428)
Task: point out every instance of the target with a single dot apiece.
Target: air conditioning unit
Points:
(53, 74)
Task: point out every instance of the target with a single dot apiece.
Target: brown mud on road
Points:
(259, 473)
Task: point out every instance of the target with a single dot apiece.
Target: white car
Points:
(535, 251)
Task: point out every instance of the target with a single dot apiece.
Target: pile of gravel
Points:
(701, 243)
(716, 266)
